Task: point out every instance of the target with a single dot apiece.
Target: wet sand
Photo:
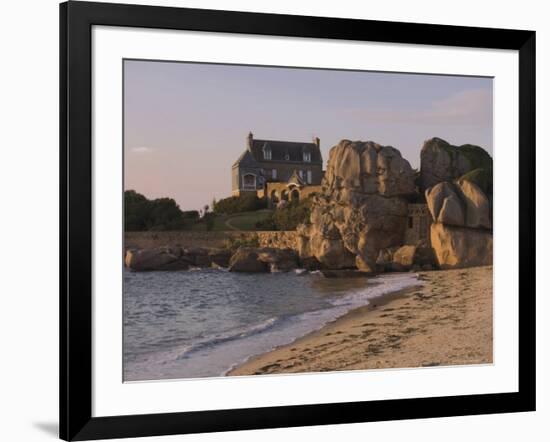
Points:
(446, 321)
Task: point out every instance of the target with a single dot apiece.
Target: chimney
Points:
(249, 140)
(317, 141)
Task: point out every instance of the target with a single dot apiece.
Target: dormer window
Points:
(267, 152)
(307, 157)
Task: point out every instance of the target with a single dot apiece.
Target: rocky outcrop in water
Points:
(175, 258)
(362, 207)
(244, 259)
(252, 259)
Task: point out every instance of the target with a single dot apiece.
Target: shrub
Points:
(483, 178)
(209, 219)
(246, 202)
(289, 217)
(478, 157)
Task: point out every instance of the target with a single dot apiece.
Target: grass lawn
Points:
(246, 220)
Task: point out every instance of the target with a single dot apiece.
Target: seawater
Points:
(201, 323)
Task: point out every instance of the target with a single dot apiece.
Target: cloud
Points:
(141, 149)
(470, 107)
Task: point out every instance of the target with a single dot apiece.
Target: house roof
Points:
(246, 159)
(286, 151)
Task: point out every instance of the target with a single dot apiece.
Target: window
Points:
(307, 157)
(267, 153)
(249, 181)
(309, 178)
(410, 222)
(287, 157)
(274, 174)
(301, 173)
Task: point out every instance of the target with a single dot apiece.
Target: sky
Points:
(185, 124)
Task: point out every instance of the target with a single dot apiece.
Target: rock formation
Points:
(457, 247)
(461, 204)
(162, 258)
(440, 161)
(252, 259)
(362, 207)
(175, 258)
(413, 257)
(461, 234)
(246, 259)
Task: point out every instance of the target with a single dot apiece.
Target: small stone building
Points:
(418, 224)
(277, 169)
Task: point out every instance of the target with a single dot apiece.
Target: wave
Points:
(230, 336)
(380, 286)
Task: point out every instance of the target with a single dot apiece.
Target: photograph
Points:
(286, 220)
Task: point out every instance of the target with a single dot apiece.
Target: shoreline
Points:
(444, 320)
(380, 301)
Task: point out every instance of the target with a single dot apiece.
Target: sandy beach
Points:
(448, 320)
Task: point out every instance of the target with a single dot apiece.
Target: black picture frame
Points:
(76, 21)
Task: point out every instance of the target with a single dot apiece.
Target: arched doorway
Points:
(295, 195)
(284, 195)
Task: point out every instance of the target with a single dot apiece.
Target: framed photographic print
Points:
(272, 220)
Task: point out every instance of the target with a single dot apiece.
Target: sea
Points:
(204, 322)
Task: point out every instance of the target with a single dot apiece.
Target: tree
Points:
(141, 213)
(243, 203)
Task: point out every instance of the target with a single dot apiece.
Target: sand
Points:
(446, 321)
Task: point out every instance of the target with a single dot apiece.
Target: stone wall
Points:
(148, 240)
(278, 240)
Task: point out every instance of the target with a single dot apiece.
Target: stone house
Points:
(418, 225)
(278, 169)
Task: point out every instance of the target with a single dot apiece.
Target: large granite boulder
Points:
(461, 234)
(162, 258)
(197, 256)
(278, 260)
(461, 204)
(384, 261)
(361, 209)
(263, 259)
(310, 263)
(441, 161)
(409, 257)
(457, 247)
(478, 207)
(403, 258)
(219, 257)
(245, 259)
(369, 168)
